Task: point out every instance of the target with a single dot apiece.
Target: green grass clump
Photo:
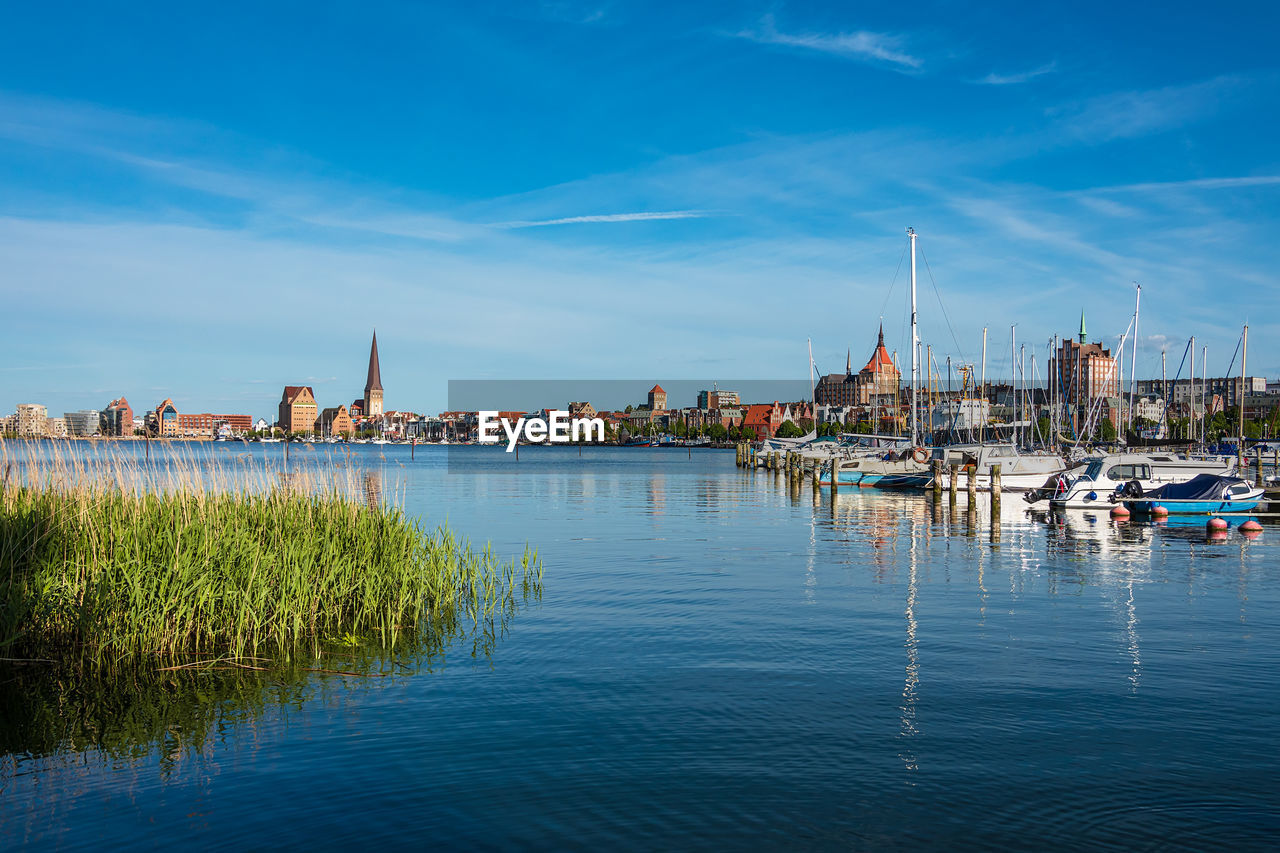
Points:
(103, 563)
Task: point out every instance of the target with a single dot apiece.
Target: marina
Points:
(719, 654)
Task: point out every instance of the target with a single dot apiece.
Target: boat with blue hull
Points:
(1203, 494)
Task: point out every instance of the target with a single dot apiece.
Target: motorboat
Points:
(1102, 476)
(1204, 493)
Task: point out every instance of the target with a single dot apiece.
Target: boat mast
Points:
(1013, 376)
(1244, 357)
(915, 341)
(1192, 430)
(1164, 394)
(1133, 360)
(1204, 397)
(982, 434)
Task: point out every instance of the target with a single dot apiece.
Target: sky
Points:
(210, 201)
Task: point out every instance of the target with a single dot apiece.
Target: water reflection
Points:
(909, 697)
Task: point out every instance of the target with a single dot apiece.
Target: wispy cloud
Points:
(994, 79)
(1125, 115)
(1196, 184)
(609, 217)
(860, 44)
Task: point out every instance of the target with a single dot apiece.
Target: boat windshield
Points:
(1093, 471)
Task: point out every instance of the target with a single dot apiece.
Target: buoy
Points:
(1120, 511)
(1160, 511)
(1218, 524)
(1251, 526)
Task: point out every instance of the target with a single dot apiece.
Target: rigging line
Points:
(1178, 375)
(1231, 366)
(941, 307)
(893, 283)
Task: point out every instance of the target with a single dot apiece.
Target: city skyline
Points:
(678, 192)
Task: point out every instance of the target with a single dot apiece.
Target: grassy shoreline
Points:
(104, 558)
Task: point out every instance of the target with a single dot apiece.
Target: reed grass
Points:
(105, 556)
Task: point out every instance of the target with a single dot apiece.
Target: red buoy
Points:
(1120, 511)
(1218, 524)
(1251, 526)
(1160, 511)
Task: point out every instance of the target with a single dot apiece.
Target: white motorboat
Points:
(1099, 477)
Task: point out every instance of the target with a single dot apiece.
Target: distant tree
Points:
(1107, 430)
(717, 432)
(749, 433)
(806, 425)
(628, 409)
(789, 430)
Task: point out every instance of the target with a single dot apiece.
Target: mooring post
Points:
(835, 475)
(955, 481)
(936, 471)
(413, 445)
(1258, 478)
(971, 476)
(995, 493)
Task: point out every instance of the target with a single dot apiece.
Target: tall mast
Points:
(1164, 394)
(983, 395)
(1204, 397)
(1133, 360)
(1013, 376)
(1192, 430)
(915, 341)
(1244, 357)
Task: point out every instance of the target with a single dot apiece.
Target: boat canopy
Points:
(1202, 487)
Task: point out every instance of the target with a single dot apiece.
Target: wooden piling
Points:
(995, 493)
(936, 471)
(971, 476)
(954, 471)
(835, 475)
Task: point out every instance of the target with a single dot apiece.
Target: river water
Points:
(717, 661)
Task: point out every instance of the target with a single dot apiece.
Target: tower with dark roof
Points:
(373, 385)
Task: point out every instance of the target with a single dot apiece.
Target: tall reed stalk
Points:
(104, 556)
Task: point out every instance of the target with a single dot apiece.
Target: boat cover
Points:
(1202, 487)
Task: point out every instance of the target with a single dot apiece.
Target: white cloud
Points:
(860, 44)
(1125, 115)
(994, 79)
(609, 217)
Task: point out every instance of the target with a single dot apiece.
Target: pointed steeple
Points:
(848, 362)
(880, 342)
(1083, 336)
(374, 382)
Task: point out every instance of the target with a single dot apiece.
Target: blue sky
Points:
(209, 202)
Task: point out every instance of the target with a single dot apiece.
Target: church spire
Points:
(848, 362)
(374, 382)
(1083, 336)
(880, 342)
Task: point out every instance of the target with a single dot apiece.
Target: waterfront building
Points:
(657, 398)
(581, 410)
(117, 418)
(715, 399)
(763, 418)
(237, 424)
(83, 423)
(261, 425)
(1083, 372)
(879, 378)
(55, 427)
(162, 421)
(372, 407)
(336, 422)
(298, 408)
(32, 420)
(961, 414)
(8, 425)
